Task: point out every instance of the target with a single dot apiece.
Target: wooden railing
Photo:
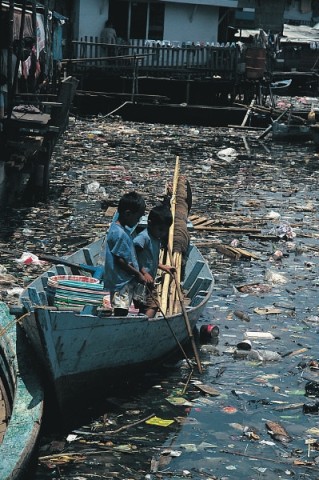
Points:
(89, 53)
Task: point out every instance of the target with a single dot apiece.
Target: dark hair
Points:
(132, 201)
(161, 214)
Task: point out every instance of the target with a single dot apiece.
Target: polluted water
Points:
(253, 412)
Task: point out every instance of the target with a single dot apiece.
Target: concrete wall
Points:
(183, 22)
(191, 23)
(92, 17)
(293, 12)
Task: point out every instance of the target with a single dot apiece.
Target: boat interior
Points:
(85, 294)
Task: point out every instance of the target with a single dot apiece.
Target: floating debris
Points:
(233, 201)
(278, 432)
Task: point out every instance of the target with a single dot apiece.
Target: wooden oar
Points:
(185, 315)
(187, 323)
(96, 272)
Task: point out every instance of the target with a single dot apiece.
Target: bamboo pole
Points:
(167, 278)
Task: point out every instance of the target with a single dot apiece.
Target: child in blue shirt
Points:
(147, 245)
(122, 273)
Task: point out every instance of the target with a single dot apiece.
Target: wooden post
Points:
(248, 112)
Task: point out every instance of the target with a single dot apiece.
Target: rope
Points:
(11, 323)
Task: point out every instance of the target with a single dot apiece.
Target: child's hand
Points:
(140, 278)
(148, 278)
(168, 269)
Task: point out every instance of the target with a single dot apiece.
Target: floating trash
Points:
(227, 154)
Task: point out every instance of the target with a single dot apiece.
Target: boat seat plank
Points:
(88, 256)
(50, 273)
(200, 284)
(193, 274)
(61, 270)
(27, 304)
(43, 298)
(198, 299)
(34, 296)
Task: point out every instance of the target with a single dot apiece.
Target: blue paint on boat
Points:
(26, 397)
(80, 349)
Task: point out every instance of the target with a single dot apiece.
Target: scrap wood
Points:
(204, 243)
(291, 406)
(208, 389)
(228, 229)
(109, 432)
(289, 460)
(201, 221)
(273, 111)
(264, 237)
(295, 352)
(110, 211)
(245, 127)
(235, 252)
(62, 458)
(225, 251)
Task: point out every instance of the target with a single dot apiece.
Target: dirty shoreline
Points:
(261, 241)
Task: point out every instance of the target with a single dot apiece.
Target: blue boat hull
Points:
(79, 350)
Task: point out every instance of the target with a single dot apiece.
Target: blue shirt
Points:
(119, 244)
(148, 251)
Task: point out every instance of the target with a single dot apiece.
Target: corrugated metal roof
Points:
(300, 33)
(212, 3)
(292, 33)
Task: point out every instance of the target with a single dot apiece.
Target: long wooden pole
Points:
(165, 289)
(173, 203)
(185, 315)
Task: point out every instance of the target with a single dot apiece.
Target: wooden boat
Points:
(81, 348)
(21, 399)
(314, 132)
(290, 131)
(280, 87)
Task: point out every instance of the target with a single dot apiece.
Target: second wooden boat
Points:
(21, 399)
(290, 131)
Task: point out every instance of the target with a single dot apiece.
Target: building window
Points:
(137, 20)
(156, 21)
